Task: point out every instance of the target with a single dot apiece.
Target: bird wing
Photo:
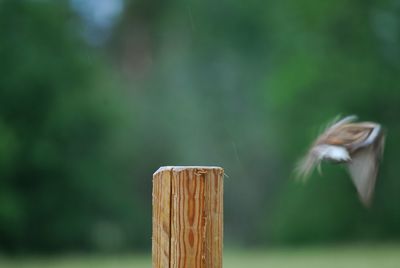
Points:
(363, 169)
(349, 135)
(337, 123)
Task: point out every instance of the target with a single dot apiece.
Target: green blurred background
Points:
(95, 95)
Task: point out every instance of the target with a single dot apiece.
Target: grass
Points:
(354, 257)
(387, 256)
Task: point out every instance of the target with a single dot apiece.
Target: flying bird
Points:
(357, 145)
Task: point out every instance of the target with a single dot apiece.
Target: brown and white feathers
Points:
(357, 145)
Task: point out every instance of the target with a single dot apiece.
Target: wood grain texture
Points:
(188, 226)
(161, 219)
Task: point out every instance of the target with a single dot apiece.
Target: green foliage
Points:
(62, 185)
(243, 85)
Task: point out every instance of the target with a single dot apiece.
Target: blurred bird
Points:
(359, 146)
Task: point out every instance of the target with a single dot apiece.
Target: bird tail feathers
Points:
(305, 166)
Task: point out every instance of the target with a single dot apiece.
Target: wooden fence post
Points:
(187, 217)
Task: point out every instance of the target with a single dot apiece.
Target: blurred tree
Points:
(189, 68)
(66, 144)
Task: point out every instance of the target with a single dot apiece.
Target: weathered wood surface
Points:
(188, 217)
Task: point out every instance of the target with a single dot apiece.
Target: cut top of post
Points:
(180, 168)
